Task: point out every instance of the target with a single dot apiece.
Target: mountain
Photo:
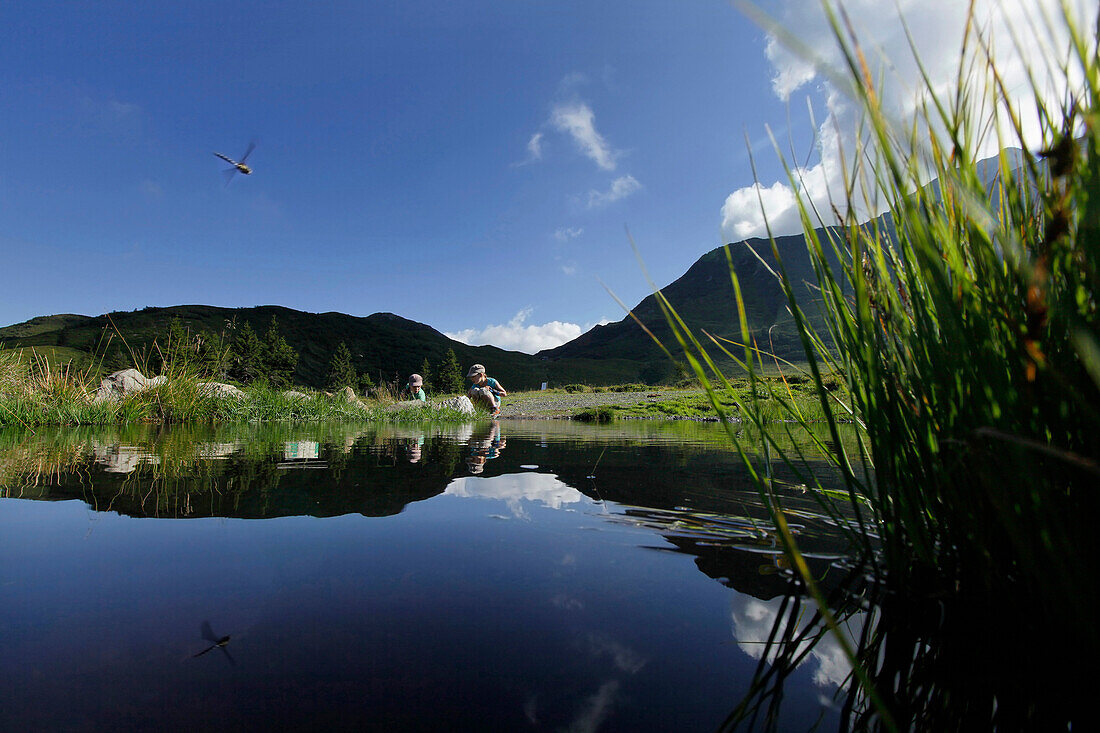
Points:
(704, 299)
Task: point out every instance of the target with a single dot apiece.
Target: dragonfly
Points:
(239, 166)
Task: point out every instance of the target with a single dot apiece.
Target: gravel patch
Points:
(535, 405)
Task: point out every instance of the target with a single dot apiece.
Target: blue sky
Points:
(470, 165)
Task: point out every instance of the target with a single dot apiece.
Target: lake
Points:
(526, 575)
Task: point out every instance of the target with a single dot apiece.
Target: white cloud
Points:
(534, 146)
(937, 30)
(564, 234)
(620, 188)
(742, 212)
(578, 120)
(571, 82)
(519, 336)
(534, 151)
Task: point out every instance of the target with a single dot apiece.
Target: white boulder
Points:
(461, 403)
(121, 383)
(295, 395)
(219, 389)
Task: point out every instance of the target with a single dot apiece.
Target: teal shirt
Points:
(492, 384)
(418, 394)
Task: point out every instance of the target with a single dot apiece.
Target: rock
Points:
(219, 389)
(156, 381)
(212, 451)
(122, 458)
(120, 384)
(349, 394)
(293, 395)
(461, 403)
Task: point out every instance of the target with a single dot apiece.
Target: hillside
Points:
(383, 344)
(386, 345)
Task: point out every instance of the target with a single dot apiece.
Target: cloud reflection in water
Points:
(754, 619)
(517, 488)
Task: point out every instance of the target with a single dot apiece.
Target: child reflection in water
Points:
(482, 446)
(414, 449)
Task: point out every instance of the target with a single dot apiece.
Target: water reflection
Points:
(216, 642)
(518, 488)
(753, 622)
(484, 444)
(599, 607)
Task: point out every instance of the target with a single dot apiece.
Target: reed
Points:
(965, 331)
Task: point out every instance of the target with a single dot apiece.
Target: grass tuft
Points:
(962, 338)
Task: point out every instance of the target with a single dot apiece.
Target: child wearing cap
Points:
(485, 390)
(415, 388)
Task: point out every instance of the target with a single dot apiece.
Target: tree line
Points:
(443, 378)
(239, 354)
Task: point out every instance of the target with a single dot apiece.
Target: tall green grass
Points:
(968, 339)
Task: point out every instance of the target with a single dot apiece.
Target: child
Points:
(485, 390)
(415, 388)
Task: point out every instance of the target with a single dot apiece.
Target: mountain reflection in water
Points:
(579, 519)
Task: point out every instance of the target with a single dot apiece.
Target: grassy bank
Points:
(966, 334)
(36, 392)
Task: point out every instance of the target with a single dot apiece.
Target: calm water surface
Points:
(521, 576)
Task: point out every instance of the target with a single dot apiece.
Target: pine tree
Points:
(341, 372)
(449, 374)
(280, 359)
(248, 352)
(213, 354)
(426, 373)
(177, 351)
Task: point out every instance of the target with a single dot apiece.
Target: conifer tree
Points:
(279, 358)
(177, 351)
(449, 374)
(426, 373)
(214, 355)
(248, 352)
(341, 372)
